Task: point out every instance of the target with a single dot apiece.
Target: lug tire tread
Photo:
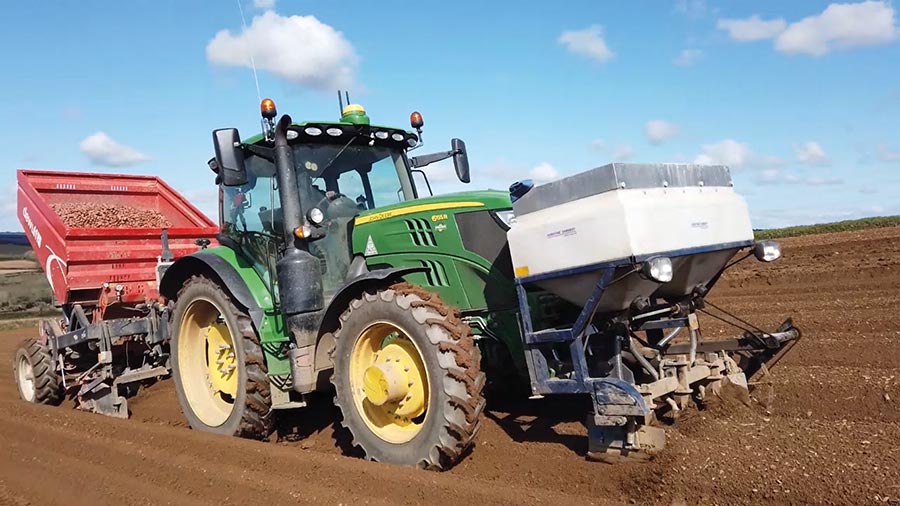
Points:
(257, 420)
(48, 387)
(461, 415)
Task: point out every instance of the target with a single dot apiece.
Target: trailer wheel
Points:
(36, 374)
(407, 378)
(218, 364)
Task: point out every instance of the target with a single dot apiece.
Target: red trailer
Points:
(103, 241)
(79, 262)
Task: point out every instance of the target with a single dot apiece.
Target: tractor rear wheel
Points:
(407, 378)
(36, 374)
(218, 364)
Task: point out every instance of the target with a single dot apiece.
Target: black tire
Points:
(251, 415)
(46, 384)
(452, 359)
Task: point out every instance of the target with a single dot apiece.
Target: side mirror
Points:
(460, 160)
(230, 156)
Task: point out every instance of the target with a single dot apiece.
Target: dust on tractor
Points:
(332, 269)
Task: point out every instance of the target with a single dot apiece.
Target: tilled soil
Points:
(102, 215)
(823, 428)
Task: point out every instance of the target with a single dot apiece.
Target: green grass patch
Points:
(15, 252)
(25, 292)
(28, 322)
(826, 228)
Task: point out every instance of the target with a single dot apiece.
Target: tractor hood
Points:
(434, 206)
(460, 240)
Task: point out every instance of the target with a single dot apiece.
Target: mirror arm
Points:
(423, 160)
(267, 154)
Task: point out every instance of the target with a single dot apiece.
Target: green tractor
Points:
(334, 269)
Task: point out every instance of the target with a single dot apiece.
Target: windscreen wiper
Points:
(339, 153)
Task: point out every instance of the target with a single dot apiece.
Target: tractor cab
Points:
(344, 169)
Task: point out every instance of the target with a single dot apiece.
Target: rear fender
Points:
(357, 286)
(209, 263)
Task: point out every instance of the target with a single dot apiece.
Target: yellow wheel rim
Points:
(389, 382)
(207, 363)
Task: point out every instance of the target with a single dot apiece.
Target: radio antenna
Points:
(340, 102)
(347, 95)
(250, 53)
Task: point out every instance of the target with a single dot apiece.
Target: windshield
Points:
(371, 176)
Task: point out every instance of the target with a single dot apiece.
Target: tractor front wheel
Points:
(218, 364)
(407, 378)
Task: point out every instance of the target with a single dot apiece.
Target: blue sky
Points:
(801, 98)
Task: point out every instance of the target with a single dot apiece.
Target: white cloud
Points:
(886, 154)
(688, 57)
(659, 131)
(499, 170)
(822, 181)
(264, 4)
(588, 42)
(622, 152)
(811, 153)
(101, 149)
(499, 174)
(598, 144)
(300, 49)
(775, 176)
(769, 176)
(543, 173)
(691, 8)
(770, 162)
(727, 152)
(206, 199)
(752, 28)
(440, 172)
(840, 26)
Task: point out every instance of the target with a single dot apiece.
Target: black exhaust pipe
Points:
(298, 271)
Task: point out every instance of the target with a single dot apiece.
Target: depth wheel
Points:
(36, 374)
(218, 364)
(407, 378)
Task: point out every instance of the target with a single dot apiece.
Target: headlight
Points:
(316, 216)
(767, 251)
(658, 269)
(506, 218)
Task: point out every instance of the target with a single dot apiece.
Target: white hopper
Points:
(627, 212)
